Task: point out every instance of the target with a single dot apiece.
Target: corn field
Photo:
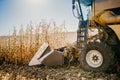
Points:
(20, 46)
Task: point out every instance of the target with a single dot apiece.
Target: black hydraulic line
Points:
(80, 10)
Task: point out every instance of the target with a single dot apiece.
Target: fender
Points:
(116, 29)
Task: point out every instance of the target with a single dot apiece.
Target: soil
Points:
(24, 72)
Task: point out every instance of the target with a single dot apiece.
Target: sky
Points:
(17, 12)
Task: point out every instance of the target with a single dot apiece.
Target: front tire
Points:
(97, 57)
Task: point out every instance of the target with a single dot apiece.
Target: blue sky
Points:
(17, 12)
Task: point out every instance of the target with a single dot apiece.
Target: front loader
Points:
(98, 38)
(99, 51)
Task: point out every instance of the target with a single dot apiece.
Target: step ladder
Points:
(82, 37)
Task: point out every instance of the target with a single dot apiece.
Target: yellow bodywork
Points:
(108, 17)
(116, 29)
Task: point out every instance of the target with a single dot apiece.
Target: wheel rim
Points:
(94, 58)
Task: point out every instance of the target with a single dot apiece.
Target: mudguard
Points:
(116, 29)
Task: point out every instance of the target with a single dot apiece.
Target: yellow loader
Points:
(101, 49)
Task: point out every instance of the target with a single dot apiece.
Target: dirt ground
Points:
(20, 72)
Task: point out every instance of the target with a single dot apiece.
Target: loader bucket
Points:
(47, 57)
(44, 49)
(53, 58)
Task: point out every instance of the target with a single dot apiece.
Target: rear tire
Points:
(97, 57)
